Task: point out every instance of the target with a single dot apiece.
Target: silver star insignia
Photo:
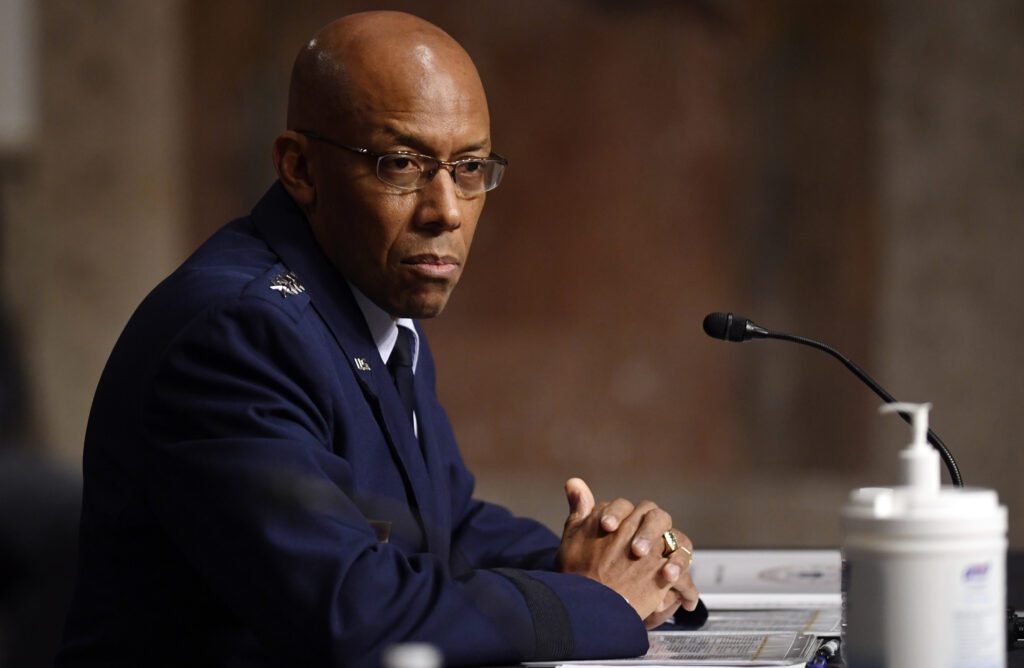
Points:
(287, 284)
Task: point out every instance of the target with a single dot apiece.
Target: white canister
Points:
(412, 655)
(923, 569)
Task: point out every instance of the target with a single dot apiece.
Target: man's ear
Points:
(293, 168)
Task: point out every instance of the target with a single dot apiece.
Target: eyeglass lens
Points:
(472, 177)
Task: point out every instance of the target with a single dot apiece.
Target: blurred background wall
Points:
(851, 171)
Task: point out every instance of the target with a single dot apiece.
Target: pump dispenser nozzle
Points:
(920, 460)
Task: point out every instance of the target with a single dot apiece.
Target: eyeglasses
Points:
(412, 171)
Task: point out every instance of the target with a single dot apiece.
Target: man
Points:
(262, 488)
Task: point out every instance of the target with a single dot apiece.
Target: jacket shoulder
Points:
(281, 287)
(234, 264)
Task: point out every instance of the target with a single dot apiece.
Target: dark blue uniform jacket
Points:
(240, 462)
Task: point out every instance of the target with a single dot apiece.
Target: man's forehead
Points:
(411, 78)
(424, 112)
(434, 141)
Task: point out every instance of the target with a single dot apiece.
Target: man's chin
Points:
(422, 306)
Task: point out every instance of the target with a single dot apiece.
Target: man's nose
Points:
(440, 203)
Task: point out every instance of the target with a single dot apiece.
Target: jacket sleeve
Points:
(237, 411)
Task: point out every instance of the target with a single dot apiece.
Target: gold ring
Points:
(671, 544)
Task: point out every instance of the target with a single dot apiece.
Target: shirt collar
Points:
(384, 327)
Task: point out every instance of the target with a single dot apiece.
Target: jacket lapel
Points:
(287, 232)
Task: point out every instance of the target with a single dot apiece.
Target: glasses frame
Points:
(448, 165)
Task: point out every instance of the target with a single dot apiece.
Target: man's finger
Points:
(580, 498)
(667, 608)
(614, 513)
(626, 532)
(687, 592)
(653, 525)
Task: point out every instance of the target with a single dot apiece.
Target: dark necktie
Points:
(400, 366)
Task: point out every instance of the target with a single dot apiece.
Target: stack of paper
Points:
(760, 579)
(767, 608)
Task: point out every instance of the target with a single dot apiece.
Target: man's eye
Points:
(471, 166)
(399, 163)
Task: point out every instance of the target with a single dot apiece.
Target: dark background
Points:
(850, 171)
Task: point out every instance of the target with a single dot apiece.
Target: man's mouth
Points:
(433, 266)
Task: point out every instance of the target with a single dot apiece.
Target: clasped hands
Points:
(620, 545)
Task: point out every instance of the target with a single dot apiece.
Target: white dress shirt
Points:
(384, 330)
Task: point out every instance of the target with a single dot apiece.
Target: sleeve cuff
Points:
(578, 618)
(552, 630)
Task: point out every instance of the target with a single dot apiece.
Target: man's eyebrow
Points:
(421, 146)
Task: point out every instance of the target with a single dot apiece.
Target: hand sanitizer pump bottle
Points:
(923, 568)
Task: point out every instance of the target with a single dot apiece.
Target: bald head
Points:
(376, 61)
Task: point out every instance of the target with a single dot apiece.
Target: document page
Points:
(823, 622)
(725, 648)
(761, 579)
(697, 648)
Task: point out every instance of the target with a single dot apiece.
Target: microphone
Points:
(731, 327)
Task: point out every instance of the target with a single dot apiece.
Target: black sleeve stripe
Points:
(553, 639)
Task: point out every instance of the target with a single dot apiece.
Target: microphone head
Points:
(726, 326)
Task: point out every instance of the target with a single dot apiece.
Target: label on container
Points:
(978, 615)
